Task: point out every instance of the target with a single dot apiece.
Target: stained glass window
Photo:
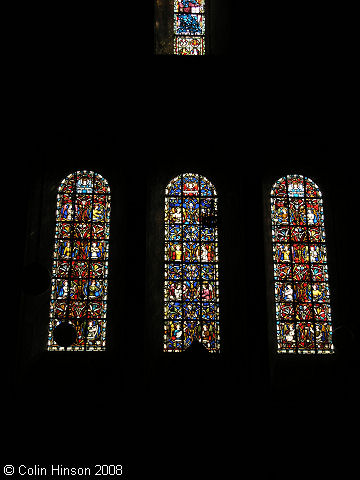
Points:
(189, 27)
(302, 295)
(80, 267)
(191, 286)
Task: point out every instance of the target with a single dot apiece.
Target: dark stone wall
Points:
(278, 102)
(134, 388)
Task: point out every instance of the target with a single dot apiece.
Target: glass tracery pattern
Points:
(302, 295)
(80, 266)
(191, 287)
(189, 27)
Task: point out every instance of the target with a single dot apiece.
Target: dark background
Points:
(86, 92)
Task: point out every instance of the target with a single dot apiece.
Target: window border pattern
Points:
(191, 277)
(302, 294)
(80, 265)
(189, 27)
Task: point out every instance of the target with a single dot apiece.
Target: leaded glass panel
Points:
(191, 287)
(189, 27)
(302, 294)
(80, 267)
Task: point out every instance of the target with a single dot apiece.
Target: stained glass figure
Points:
(191, 287)
(302, 295)
(189, 27)
(80, 267)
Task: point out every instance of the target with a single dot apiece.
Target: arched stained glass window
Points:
(191, 288)
(302, 296)
(80, 268)
(189, 27)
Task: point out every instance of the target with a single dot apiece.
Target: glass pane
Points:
(302, 293)
(80, 268)
(189, 27)
(191, 287)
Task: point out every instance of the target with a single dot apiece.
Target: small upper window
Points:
(189, 27)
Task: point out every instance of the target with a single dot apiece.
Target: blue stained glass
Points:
(191, 252)
(207, 189)
(210, 311)
(191, 271)
(173, 310)
(188, 3)
(174, 232)
(191, 291)
(175, 187)
(190, 181)
(79, 286)
(189, 27)
(191, 232)
(191, 210)
(208, 234)
(302, 293)
(173, 272)
(189, 24)
(84, 183)
(191, 288)
(189, 6)
(192, 310)
(209, 272)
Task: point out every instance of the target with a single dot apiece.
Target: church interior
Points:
(225, 116)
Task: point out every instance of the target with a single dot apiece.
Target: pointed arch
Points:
(302, 294)
(78, 301)
(191, 284)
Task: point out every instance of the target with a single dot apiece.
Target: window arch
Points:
(189, 27)
(191, 285)
(80, 268)
(302, 295)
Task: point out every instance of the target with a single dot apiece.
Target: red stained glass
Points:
(302, 294)
(79, 275)
(191, 286)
